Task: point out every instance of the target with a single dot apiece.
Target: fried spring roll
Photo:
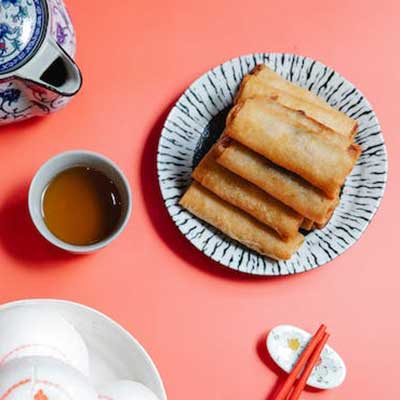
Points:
(250, 88)
(307, 224)
(322, 224)
(237, 224)
(248, 197)
(271, 130)
(299, 120)
(285, 186)
(265, 82)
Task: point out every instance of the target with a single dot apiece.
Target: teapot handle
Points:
(54, 69)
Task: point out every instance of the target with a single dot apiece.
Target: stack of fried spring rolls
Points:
(316, 116)
(241, 210)
(252, 180)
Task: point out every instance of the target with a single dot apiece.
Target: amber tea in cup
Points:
(81, 206)
(80, 201)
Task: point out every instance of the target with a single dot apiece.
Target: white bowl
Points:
(114, 354)
(27, 332)
(40, 377)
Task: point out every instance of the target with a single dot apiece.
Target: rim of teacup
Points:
(37, 218)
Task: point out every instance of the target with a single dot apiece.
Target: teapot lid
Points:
(22, 28)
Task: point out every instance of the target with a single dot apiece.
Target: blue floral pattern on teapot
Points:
(35, 35)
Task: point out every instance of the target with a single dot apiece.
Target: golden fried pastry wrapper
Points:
(265, 82)
(281, 184)
(246, 196)
(322, 224)
(307, 224)
(237, 224)
(284, 137)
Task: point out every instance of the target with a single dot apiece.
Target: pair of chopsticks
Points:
(291, 389)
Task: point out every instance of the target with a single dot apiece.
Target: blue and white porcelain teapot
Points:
(37, 72)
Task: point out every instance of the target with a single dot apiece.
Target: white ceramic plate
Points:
(285, 343)
(113, 352)
(197, 120)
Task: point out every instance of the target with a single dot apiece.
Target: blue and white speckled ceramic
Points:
(37, 72)
(285, 344)
(197, 120)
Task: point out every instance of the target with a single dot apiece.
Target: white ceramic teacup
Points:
(66, 160)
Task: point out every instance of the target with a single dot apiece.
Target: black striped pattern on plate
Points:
(198, 118)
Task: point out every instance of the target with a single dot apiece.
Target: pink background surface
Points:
(204, 325)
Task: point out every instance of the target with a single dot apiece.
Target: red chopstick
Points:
(302, 381)
(301, 362)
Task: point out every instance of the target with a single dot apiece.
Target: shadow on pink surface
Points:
(264, 356)
(19, 237)
(18, 127)
(163, 223)
(261, 349)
